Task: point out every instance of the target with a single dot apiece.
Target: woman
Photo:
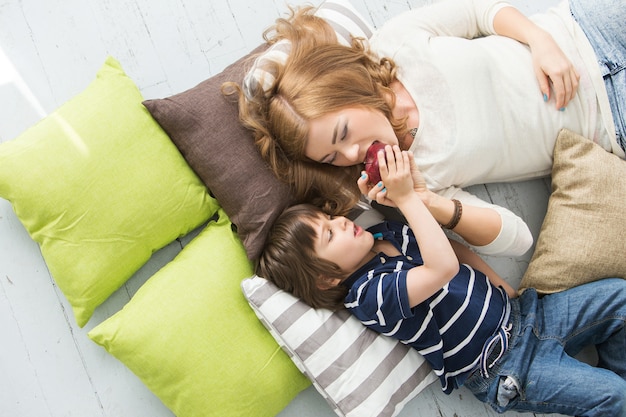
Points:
(471, 107)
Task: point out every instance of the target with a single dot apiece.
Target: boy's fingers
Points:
(398, 157)
(385, 158)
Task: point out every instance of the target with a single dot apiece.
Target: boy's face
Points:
(341, 241)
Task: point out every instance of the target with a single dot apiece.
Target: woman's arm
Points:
(490, 229)
(514, 237)
(549, 61)
(466, 256)
(479, 226)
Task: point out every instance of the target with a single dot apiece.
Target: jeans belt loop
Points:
(502, 337)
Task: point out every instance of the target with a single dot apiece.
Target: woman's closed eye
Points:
(330, 159)
(344, 133)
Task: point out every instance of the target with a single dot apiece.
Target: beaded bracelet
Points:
(458, 212)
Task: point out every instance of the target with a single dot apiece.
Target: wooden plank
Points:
(19, 106)
(118, 388)
(41, 359)
(527, 199)
(54, 47)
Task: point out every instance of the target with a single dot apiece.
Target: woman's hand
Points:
(549, 62)
(551, 65)
(419, 184)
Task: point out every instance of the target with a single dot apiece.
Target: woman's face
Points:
(342, 137)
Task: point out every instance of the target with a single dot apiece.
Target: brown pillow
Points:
(205, 127)
(583, 236)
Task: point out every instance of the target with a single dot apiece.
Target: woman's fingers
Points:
(363, 183)
(565, 87)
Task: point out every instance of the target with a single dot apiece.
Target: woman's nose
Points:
(351, 154)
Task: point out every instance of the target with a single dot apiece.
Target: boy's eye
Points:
(330, 231)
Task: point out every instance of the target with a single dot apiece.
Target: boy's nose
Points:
(340, 223)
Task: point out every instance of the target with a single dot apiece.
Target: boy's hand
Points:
(373, 192)
(397, 177)
(395, 172)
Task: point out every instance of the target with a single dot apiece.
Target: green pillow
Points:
(191, 337)
(100, 187)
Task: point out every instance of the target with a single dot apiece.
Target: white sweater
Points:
(482, 115)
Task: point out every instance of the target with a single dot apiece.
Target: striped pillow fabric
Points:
(358, 371)
(345, 20)
(339, 14)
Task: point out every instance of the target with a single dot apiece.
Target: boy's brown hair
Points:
(289, 260)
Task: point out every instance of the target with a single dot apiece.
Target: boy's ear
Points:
(326, 283)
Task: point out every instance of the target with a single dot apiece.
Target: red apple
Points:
(371, 162)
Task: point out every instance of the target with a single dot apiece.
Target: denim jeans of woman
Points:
(603, 23)
(539, 373)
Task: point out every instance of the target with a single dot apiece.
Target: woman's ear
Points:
(326, 283)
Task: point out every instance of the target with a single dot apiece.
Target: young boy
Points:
(414, 285)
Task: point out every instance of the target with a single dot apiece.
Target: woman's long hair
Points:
(320, 76)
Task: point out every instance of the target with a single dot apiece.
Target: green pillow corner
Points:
(100, 186)
(191, 337)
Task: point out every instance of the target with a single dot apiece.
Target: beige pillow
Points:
(583, 236)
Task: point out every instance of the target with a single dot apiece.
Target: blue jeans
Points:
(538, 371)
(603, 23)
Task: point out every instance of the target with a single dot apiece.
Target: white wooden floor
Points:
(49, 51)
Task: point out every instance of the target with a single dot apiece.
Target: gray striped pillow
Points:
(358, 371)
(339, 14)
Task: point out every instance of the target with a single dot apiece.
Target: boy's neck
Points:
(379, 246)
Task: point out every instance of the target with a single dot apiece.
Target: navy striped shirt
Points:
(449, 329)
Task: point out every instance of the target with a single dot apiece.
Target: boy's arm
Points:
(440, 262)
(466, 256)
